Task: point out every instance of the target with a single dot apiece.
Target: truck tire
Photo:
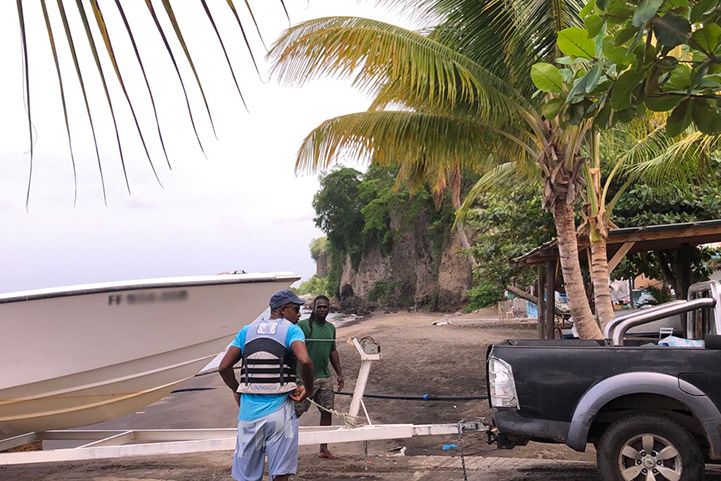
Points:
(648, 447)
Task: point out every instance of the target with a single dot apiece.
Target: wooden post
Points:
(550, 300)
(683, 279)
(540, 305)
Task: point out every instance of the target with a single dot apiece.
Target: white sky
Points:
(241, 208)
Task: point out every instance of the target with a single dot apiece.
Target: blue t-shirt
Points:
(256, 406)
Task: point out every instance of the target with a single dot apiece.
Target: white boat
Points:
(79, 355)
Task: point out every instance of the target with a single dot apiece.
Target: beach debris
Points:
(449, 446)
(398, 451)
(442, 322)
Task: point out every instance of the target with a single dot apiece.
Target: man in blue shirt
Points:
(267, 425)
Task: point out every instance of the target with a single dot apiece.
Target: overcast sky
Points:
(241, 208)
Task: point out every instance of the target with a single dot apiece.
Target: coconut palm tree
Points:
(452, 96)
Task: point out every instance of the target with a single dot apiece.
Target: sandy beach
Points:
(418, 357)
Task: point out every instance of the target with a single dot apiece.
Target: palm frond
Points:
(100, 21)
(26, 74)
(179, 35)
(375, 54)
(51, 40)
(501, 179)
(414, 141)
(255, 22)
(164, 38)
(98, 65)
(225, 52)
(79, 74)
(674, 160)
(242, 32)
(505, 36)
(131, 37)
(91, 12)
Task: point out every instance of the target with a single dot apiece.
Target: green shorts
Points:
(322, 394)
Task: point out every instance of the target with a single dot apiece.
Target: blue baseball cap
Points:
(282, 298)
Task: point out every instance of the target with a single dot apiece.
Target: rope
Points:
(424, 397)
(349, 420)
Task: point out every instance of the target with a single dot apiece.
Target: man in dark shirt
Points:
(320, 340)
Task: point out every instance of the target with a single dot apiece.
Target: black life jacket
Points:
(268, 367)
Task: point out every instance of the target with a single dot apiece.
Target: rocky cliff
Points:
(418, 272)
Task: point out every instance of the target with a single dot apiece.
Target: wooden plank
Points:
(619, 255)
(688, 234)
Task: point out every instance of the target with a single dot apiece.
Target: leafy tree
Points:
(338, 210)
(315, 286)
(506, 226)
(318, 248)
(647, 205)
(625, 61)
(660, 55)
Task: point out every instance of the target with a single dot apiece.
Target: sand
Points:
(418, 358)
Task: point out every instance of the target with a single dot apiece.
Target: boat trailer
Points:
(106, 444)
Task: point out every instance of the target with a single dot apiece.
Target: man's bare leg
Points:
(325, 420)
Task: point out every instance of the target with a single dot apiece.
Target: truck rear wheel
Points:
(648, 447)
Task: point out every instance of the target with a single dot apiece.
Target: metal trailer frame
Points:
(106, 444)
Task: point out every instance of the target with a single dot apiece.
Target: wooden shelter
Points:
(621, 242)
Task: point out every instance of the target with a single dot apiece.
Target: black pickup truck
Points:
(652, 411)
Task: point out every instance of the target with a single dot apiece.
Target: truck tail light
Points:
(502, 387)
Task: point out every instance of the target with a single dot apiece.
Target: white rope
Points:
(348, 419)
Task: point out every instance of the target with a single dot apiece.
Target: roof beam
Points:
(619, 255)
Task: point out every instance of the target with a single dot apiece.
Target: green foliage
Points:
(378, 199)
(660, 55)
(318, 248)
(645, 205)
(507, 226)
(337, 206)
(355, 212)
(335, 269)
(484, 294)
(315, 286)
(384, 292)
(660, 295)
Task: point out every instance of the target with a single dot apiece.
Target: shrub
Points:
(315, 286)
(383, 292)
(483, 295)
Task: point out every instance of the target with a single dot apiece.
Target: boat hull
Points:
(83, 355)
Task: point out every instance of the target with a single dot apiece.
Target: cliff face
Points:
(321, 265)
(413, 274)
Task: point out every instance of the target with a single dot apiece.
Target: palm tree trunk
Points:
(571, 269)
(601, 279)
(456, 203)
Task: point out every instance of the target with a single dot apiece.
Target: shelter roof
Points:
(635, 239)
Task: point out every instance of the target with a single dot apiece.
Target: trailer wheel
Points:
(646, 447)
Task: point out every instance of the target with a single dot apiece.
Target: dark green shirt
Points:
(319, 351)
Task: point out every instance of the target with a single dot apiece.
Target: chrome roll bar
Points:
(702, 290)
(655, 314)
(608, 330)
